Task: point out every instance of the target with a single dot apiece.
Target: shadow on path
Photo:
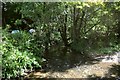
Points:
(112, 74)
(114, 71)
(62, 60)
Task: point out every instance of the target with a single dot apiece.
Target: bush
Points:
(81, 46)
(27, 42)
(21, 40)
(110, 50)
(14, 60)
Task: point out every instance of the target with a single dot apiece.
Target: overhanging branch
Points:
(92, 27)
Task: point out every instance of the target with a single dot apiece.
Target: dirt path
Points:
(100, 69)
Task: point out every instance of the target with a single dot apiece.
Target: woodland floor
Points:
(84, 71)
(76, 66)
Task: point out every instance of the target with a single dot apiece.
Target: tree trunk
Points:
(63, 30)
(75, 28)
(118, 30)
(44, 22)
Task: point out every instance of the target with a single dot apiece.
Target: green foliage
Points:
(81, 26)
(14, 60)
(21, 40)
(25, 41)
(18, 22)
(81, 46)
(109, 50)
(115, 47)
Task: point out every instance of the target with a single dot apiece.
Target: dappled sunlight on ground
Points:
(74, 66)
(83, 71)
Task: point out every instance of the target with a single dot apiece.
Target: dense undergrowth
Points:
(16, 55)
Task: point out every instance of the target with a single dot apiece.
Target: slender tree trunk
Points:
(75, 29)
(118, 31)
(73, 36)
(63, 30)
(44, 25)
(80, 24)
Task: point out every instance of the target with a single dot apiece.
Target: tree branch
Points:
(92, 27)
